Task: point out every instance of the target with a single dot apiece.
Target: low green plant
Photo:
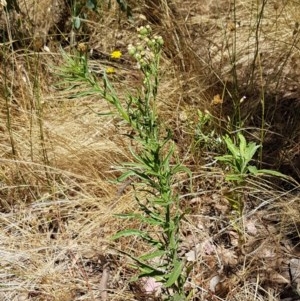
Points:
(154, 167)
(238, 161)
(205, 136)
(239, 158)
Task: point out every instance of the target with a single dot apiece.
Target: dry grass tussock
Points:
(238, 49)
(250, 49)
(59, 153)
(57, 199)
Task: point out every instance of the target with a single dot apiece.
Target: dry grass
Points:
(58, 156)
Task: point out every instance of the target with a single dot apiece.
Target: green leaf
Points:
(147, 272)
(143, 265)
(138, 233)
(250, 151)
(155, 220)
(231, 147)
(151, 218)
(128, 216)
(253, 169)
(162, 202)
(180, 168)
(243, 144)
(126, 175)
(77, 22)
(225, 158)
(234, 177)
(272, 173)
(128, 232)
(138, 158)
(155, 273)
(174, 275)
(142, 175)
(179, 297)
(152, 255)
(166, 161)
(91, 4)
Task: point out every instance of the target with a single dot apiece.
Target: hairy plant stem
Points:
(152, 166)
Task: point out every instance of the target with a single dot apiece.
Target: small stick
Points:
(103, 282)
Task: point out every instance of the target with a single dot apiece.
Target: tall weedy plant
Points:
(153, 169)
(158, 203)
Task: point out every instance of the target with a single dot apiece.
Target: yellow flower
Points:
(217, 100)
(82, 47)
(116, 54)
(110, 70)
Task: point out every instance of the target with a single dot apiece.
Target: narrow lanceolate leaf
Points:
(138, 233)
(128, 232)
(234, 177)
(126, 175)
(152, 255)
(174, 275)
(272, 173)
(129, 215)
(143, 266)
(225, 158)
(180, 168)
(166, 160)
(155, 273)
(154, 220)
(151, 219)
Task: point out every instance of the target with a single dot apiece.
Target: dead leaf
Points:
(227, 256)
(295, 269)
(208, 247)
(204, 248)
(275, 277)
(250, 227)
(191, 255)
(214, 281)
(151, 286)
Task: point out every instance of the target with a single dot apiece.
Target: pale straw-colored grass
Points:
(58, 159)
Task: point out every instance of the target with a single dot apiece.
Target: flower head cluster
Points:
(116, 54)
(110, 70)
(147, 48)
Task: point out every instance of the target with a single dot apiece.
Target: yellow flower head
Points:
(82, 47)
(116, 54)
(110, 70)
(217, 100)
